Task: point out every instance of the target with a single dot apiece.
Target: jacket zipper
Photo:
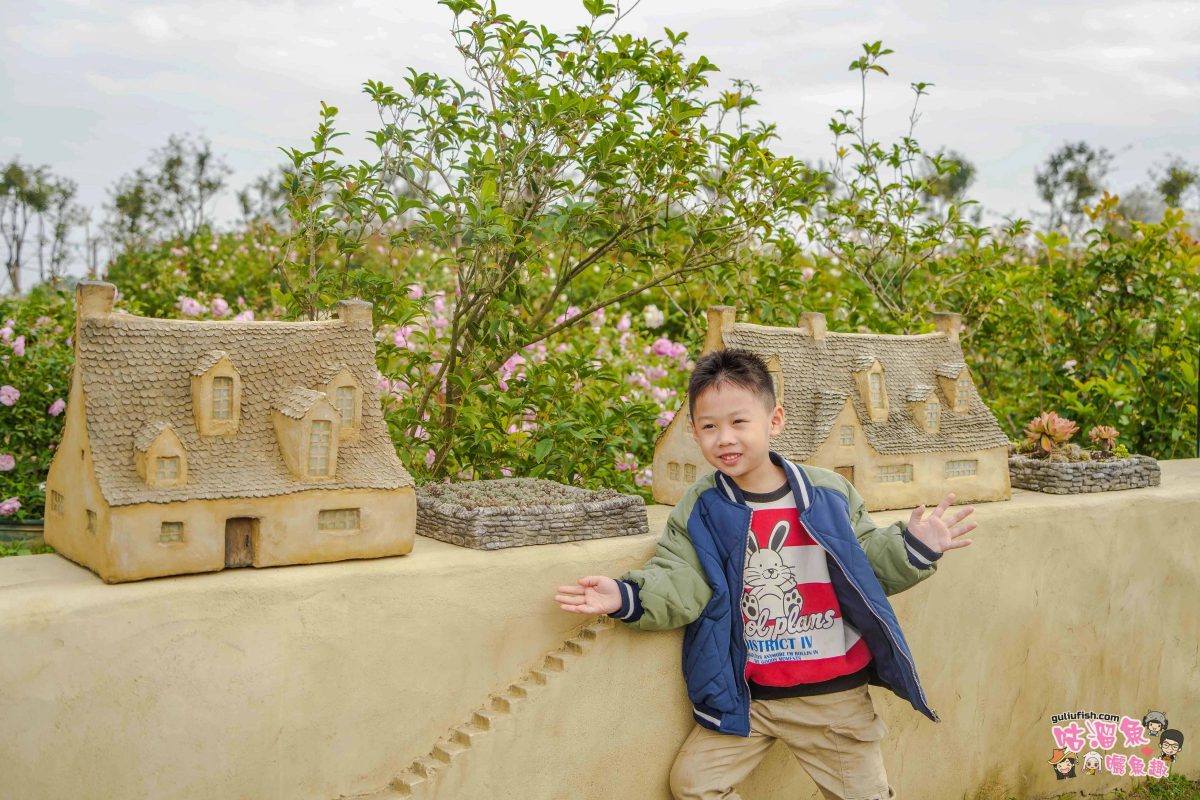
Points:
(741, 588)
(886, 630)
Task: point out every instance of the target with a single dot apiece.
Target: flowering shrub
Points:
(35, 366)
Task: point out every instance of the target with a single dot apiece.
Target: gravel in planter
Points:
(1078, 477)
(512, 512)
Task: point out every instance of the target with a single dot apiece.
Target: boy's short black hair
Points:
(736, 366)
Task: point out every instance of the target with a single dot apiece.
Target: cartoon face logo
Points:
(1063, 763)
(1091, 763)
(1155, 722)
(1171, 743)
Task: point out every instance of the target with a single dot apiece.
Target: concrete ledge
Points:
(317, 681)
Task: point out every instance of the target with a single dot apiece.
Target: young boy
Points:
(780, 576)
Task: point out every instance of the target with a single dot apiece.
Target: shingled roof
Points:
(137, 375)
(818, 377)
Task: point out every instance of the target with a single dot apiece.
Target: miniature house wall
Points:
(194, 446)
(898, 416)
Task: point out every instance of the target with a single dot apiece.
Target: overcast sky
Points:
(91, 87)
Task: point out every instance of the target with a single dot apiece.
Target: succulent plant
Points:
(1049, 430)
(1103, 436)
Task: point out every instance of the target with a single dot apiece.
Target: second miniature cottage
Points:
(898, 416)
(193, 446)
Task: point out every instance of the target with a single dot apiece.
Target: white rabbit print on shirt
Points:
(794, 629)
(773, 603)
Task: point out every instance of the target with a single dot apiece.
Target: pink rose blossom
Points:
(440, 322)
(241, 301)
(400, 337)
(18, 345)
(9, 395)
(430, 457)
(190, 307)
(663, 346)
(56, 407)
(627, 463)
(220, 308)
(664, 418)
(623, 323)
(6, 333)
(644, 478)
(416, 292)
(245, 316)
(10, 506)
(439, 305)
(807, 273)
(506, 472)
(7, 462)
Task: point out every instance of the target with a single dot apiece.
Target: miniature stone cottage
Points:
(194, 446)
(898, 416)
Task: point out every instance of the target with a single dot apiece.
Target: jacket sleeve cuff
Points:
(919, 554)
(631, 603)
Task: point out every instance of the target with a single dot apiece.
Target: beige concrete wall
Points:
(318, 681)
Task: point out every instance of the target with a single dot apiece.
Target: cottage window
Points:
(56, 502)
(689, 472)
(338, 519)
(963, 388)
(318, 447)
(222, 397)
(171, 532)
(344, 403)
(962, 468)
(895, 473)
(91, 521)
(167, 468)
(876, 383)
(932, 410)
(847, 435)
(673, 471)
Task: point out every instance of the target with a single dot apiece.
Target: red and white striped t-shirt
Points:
(795, 634)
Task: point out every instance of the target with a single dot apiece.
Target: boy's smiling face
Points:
(733, 428)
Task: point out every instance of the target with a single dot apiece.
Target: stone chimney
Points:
(720, 319)
(94, 298)
(949, 323)
(813, 323)
(355, 313)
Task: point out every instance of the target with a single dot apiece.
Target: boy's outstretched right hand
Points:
(594, 594)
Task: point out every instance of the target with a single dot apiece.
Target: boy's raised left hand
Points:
(940, 533)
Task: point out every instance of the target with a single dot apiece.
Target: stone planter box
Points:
(494, 514)
(1077, 477)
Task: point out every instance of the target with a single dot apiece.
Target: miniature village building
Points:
(192, 446)
(897, 416)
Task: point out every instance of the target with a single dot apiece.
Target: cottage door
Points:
(845, 472)
(239, 542)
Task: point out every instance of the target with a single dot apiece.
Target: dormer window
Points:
(168, 468)
(216, 395)
(318, 447)
(955, 380)
(933, 412)
(924, 406)
(962, 389)
(159, 456)
(872, 389)
(307, 427)
(222, 397)
(876, 390)
(346, 397)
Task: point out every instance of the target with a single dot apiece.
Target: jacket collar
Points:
(801, 487)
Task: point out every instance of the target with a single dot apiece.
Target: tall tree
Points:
(562, 154)
(1176, 180)
(1072, 176)
(169, 198)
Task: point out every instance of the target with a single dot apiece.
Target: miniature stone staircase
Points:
(420, 779)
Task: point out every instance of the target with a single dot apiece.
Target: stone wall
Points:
(315, 682)
(1077, 477)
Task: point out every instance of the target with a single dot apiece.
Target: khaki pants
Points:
(835, 737)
